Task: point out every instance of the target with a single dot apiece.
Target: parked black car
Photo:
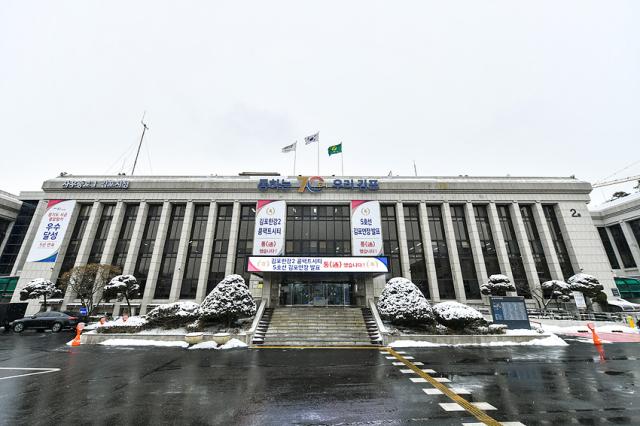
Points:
(10, 312)
(55, 321)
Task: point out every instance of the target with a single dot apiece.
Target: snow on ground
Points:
(164, 332)
(551, 340)
(231, 344)
(136, 342)
(582, 328)
(131, 322)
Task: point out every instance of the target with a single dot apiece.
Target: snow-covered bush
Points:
(229, 300)
(557, 290)
(401, 302)
(585, 283)
(498, 285)
(40, 288)
(172, 315)
(131, 325)
(122, 286)
(457, 316)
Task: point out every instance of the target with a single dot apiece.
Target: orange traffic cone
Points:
(76, 340)
(594, 335)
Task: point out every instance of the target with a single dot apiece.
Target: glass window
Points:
(440, 253)
(623, 247)
(320, 230)
(147, 244)
(16, 236)
(390, 240)
(465, 253)
(608, 248)
(635, 229)
(417, 264)
(220, 246)
(195, 246)
(97, 248)
(513, 251)
(535, 243)
(245, 240)
(485, 234)
(558, 241)
(126, 233)
(170, 252)
(76, 238)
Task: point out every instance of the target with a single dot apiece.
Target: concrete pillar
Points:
(205, 264)
(631, 240)
(432, 275)
(547, 243)
(498, 240)
(136, 238)
(181, 257)
(452, 248)
(28, 238)
(114, 232)
(156, 257)
(233, 239)
(525, 248)
(402, 242)
(476, 247)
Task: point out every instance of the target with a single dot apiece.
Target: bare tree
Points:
(87, 283)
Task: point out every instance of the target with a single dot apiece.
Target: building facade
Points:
(618, 224)
(314, 240)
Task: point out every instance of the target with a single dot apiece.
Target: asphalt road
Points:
(117, 385)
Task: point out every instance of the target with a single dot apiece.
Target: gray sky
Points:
(463, 87)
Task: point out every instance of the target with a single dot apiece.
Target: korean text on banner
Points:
(53, 226)
(318, 264)
(366, 235)
(268, 234)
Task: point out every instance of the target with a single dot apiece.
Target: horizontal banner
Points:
(317, 264)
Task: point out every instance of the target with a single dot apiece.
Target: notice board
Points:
(511, 311)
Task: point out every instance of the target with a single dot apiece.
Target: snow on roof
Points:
(634, 197)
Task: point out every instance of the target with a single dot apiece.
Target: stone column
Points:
(181, 257)
(476, 246)
(633, 243)
(452, 248)
(402, 242)
(114, 232)
(233, 239)
(525, 248)
(498, 240)
(432, 275)
(28, 238)
(205, 264)
(156, 257)
(547, 243)
(136, 238)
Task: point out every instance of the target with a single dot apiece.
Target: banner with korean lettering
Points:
(50, 233)
(268, 234)
(317, 264)
(366, 235)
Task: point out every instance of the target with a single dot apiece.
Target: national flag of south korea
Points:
(290, 148)
(312, 139)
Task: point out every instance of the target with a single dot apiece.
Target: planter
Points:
(221, 338)
(193, 338)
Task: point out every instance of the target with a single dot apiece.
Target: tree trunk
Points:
(45, 302)
(128, 304)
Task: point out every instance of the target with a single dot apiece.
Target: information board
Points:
(317, 264)
(511, 311)
(366, 233)
(268, 234)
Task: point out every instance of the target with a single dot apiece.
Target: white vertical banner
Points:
(366, 235)
(268, 234)
(51, 230)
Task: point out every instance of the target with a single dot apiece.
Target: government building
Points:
(307, 240)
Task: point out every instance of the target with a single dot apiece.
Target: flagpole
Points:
(318, 156)
(295, 154)
(342, 162)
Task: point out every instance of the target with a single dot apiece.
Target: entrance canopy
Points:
(317, 264)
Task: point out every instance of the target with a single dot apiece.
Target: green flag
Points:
(335, 149)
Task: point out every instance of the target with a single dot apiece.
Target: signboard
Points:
(579, 299)
(317, 264)
(511, 311)
(96, 184)
(615, 292)
(268, 234)
(366, 235)
(83, 311)
(317, 183)
(53, 225)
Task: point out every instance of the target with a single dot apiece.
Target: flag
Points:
(290, 148)
(335, 149)
(312, 139)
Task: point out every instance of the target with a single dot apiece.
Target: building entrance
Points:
(324, 293)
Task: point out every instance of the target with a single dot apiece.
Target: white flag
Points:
(290, 148)
(312, 139)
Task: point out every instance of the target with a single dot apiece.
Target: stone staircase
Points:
(315, 326)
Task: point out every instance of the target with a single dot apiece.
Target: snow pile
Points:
(401, 302)
(457, 316)
(231, 344)
(119, 325)
(137, 342)
(583, 329)
(498, 285)
(551, 340)
(229, 300)
(172, 315)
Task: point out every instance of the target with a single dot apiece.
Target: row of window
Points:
(619, 239)
(322, 230)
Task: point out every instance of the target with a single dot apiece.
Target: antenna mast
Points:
(144, 129)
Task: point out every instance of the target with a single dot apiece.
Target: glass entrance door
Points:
(316, 294)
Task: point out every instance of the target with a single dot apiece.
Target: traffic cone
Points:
(594, 335)
(76, 340)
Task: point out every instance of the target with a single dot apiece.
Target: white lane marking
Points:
(432, 391)
(35, 371)
(454, 406)
(407, 371)
(460, 391)
(502, 423)
(484, 406)
(418, 363)
(442, 379)
(390, 357)
(408, 357)
(398, 363)
(418, 380)
(401, 352)
(429, 371)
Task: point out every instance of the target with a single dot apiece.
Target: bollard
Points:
(103, 320)
(594, 335)
(632, 324)
(76, 340)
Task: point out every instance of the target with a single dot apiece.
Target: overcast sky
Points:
(544, 88)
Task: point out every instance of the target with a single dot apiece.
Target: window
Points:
(440, 253)
(465, 253)
(76, 238)
(536, 244)
(320, 230)
(558, 241)
(245, 240)
(97, 248)
(608, 248)
(635, 229)
(220, 246)
(489, 252)
(147, 244)
(170, 252)
(513, 251)
(195, 246)
(4, 227)
(623, 247)
(16, 236)
(417, 264)
(126, 233)
(390, 240)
